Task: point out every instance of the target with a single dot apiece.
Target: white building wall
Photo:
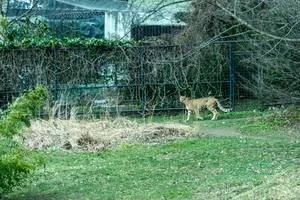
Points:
(117, 25)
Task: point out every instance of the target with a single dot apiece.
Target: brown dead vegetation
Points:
(99, 135)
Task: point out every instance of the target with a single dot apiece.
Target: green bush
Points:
(21, 111)
(288, 118)
(16, 162)
(29, 33)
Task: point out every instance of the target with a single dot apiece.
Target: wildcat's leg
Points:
(188, 117)
(215, 112)
(197, 115)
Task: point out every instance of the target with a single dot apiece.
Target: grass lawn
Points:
(223, 167)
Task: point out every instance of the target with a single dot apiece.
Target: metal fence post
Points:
(143, 57)
(55, 73)
(231, 63)
(260, 85)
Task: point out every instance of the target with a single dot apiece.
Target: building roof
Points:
(127, 5)
(103, 5)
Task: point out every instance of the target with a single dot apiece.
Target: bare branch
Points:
(243, 22)
(24, 14)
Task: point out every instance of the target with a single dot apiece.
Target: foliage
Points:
(20, 31)
(37, 34)
(289, 118)
(21, 111)
(3, 25)
(65, 42)
(16, 163)
(279, 124)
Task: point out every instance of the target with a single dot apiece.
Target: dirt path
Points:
(218, 132)
(227, 132)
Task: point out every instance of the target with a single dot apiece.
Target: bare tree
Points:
(271, 29)
(277, 19)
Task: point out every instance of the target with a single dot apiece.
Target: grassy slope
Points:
(199, 168)
(213, 168)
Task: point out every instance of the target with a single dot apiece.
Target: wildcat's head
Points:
(182, 98)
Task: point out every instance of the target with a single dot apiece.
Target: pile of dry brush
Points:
(99, 135)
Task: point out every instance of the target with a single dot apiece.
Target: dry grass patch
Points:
(99, 135)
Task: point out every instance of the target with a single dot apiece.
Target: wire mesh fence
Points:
(117, 79)
(135, 79)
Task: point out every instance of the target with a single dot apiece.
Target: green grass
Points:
(249, 123)
(281, 124)
(199, 168)
(258, 163)
(206, 116)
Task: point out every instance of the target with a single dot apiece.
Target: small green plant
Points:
(16, 162)
(21, 111)
(280, 124)
(3, 25)
(289, 118)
